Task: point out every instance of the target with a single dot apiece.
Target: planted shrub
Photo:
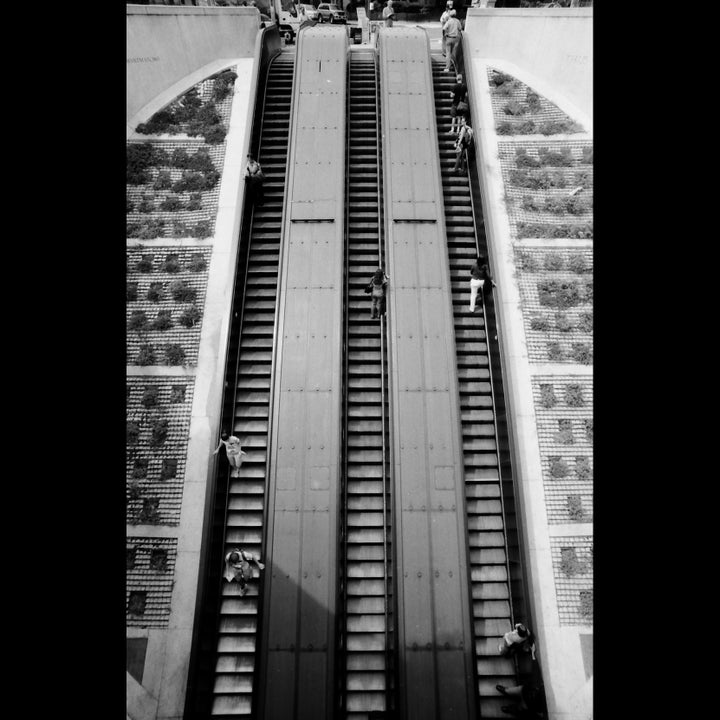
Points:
(197, 263)
(169, 468)
(547, 396)
(557, 159)
(158, 559)
(201, 162)
(513, 107)
(177, 394)
(576, 206)
(190, 317)
(525, 160)
(563, 323)
(575, 508)
(154, 292)
(129, 205)
(141, 468)
(528, 203)
(147, 204)
(159, 431)
(554, 261)
(181, 291)
(564, 437)
(152, 228)
(588, 430)
(559, 293)
(132, 432)
(150, 513)
(180, 158)
(132, 230)
(139, 158)
(559, 127)
(527, 127)
(569, 563)
(500, 78)
(195, 202)
(582, 353)
(163, 320)
(131, 291)
(174, 355)
(505, 128)
(180, 229)
(587, 155)
(558, 467)
(160, 122)
(172, 203)
(151, 396)
(585, 322)
(190, 181)
(145, 264)
(133, 491)
(171, 264)
(527, 261)
(222, 84)
(574, 395)
(588, 291)
(137, 321)
(582, 468)
(163, 181)
(558, 179)
(202, 229)
(146, 355)
(554, 351)
(533, 101)
(507, 89)
(576, 263)
(539, 322)
(586, 603)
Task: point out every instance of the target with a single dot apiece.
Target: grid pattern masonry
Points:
(572, 559)
(547, 112)
(141, 286)
(563, 411)
(554, 334)
(149, 580)
(208, 198)
(527, 205)
(561, 334)
(155, 467)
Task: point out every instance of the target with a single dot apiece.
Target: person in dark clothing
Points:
(463, 144)
(479, 273)
(459, 95)
(376, 287)
(255, 178)
(529, 701)
(519, 638)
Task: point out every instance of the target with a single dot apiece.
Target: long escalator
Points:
(368, 618)
(226, 660)
(487, 518)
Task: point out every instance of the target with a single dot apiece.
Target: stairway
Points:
(235, 666)
(368, 625)
(492, 610)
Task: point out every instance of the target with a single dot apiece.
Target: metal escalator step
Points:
(231, 705)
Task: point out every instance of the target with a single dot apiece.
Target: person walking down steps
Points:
(233, 451)
(238, 566)
(376, 288)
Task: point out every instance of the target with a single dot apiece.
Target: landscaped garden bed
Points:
(149, 580)
(165, 297)
(573, 567)
(548, 188)
(519, 110)
(556, 287)
(158, 423)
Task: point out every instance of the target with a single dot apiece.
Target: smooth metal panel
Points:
(300, 593)
(431, 567)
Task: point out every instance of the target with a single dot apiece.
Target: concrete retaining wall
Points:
(167, 44)
(555, 45)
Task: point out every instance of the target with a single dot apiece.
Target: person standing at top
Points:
(479, 273)
(443, 19)
(452, 31)
(388, 14)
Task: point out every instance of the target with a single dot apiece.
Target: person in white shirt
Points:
(443, 19)
(452, 31)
